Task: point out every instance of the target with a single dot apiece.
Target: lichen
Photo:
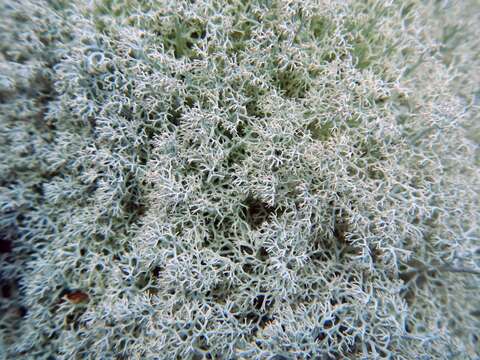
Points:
(239, 180)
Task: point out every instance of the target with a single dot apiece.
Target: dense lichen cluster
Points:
(239, 179)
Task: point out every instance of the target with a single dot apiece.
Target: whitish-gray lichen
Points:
(239, 179)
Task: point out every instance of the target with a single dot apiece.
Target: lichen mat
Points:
(272, 180)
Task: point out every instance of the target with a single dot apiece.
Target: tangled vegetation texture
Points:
(235, 179)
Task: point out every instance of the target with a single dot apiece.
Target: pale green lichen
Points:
(239, 180)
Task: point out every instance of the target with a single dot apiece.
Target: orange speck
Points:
(77, 297)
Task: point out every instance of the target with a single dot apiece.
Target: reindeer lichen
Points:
(255, 179)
